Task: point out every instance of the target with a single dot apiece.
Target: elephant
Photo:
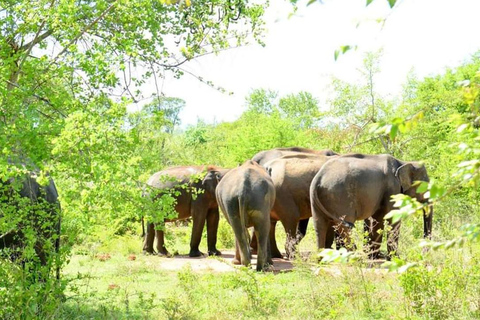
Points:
(246, 195)
(37, 207)
(358, 187)
(291, 176)
(200, 206)
(265, 156)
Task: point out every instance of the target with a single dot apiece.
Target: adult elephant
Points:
(29, 207)
(357, 187)
(291, 176)
(265, 156)
(202, 206)
(246, 196)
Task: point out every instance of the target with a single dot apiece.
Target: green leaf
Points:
(393, 131)
(368, 2)
(422, 187)
(336, 54)
(436, 191)
(392, 3)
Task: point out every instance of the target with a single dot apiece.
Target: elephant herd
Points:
(290, 185)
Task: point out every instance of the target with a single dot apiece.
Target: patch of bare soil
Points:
(224, 264)
(216, 264)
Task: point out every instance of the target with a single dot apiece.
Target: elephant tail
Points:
(243, 215)
(243, 236)
(317, 205)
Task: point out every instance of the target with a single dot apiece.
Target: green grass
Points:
(444, 285)
(122, 289)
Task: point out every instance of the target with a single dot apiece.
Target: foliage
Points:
(29, 237)
(451, 285)
(357, 106)
(68, 72)
(442, 111)
(142, 288)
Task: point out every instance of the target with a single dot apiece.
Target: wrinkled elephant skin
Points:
(358, 187)
(291, 176)
(246, 196)
(202, 208)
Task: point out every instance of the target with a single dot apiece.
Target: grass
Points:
(105, 283)
(119, 288)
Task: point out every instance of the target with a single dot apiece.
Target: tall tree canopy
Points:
(62, 57)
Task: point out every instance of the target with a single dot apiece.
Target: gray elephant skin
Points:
(265, 156)
(44, 215)
(202, 208)
(292, 175)
(246, 195)
(358, 187)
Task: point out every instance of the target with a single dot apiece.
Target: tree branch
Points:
(88, 27)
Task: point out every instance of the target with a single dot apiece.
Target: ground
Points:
(218, 264)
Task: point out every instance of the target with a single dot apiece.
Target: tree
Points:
(166, 110)
(58, 56)
(262, 101)
(302, 107)
(355, 107)
(68, 70)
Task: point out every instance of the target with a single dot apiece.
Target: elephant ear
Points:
(404, 175)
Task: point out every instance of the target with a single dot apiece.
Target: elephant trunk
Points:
(427, 222)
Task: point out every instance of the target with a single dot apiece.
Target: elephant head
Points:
(212, 178)
(407, 174)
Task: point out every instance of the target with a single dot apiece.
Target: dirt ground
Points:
(216, 264)
(224, 264)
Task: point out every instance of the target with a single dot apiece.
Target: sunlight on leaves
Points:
(342, 50)
(398, 265)
(341, 255)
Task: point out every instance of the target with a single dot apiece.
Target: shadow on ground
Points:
(222, 263)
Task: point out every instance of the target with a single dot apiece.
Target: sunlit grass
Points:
(112, 283)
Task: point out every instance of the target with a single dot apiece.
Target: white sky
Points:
(426, 35)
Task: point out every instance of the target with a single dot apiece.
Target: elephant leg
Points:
(199, 216)
(302, 229)
(269, 250)
(392, 240)
(344, 239)
(148, 239)
(262, 232)
(236, 259)
(254, 243)
(275, 253)
(241, 243)
(330, 237)
(213, 218)
(374, 228)
(161, 249)
(343, 230)
(321, 225)
(291, 241)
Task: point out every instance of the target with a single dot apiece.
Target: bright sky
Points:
(423, 35)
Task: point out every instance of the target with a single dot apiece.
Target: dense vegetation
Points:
(66, 83)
